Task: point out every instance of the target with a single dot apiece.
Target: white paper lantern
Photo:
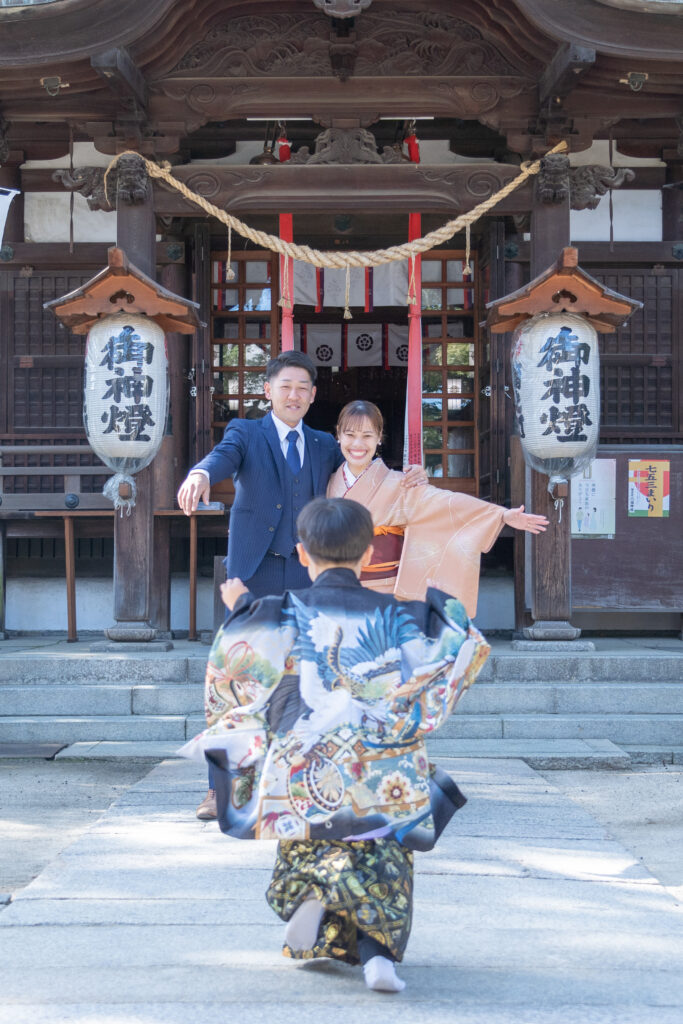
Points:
(556, 380)
(125, 395)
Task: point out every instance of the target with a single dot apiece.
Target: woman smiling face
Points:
(358, 440)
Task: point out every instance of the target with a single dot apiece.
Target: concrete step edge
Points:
(114, 750)
(651, 753)
(538, 754)
(541, 754)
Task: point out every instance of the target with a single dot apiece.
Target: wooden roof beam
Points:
(117, 69)
(570, 62)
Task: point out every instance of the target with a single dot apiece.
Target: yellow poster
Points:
(648, 488)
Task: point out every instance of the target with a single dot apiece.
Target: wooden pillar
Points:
(515, 279)
(672, 202)
(134, 534)
(3, 578)
(170, 463)
(201, 434)
(551, 600)
(14, 232)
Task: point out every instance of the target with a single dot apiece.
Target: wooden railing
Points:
(71, 497)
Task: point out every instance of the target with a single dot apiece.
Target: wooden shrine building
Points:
(319, 109)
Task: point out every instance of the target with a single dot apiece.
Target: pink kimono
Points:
(444, 534)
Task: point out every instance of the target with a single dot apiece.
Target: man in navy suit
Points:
(278, 465)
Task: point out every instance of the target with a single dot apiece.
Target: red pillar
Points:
(287, 284)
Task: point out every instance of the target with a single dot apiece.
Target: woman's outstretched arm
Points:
(518, 519)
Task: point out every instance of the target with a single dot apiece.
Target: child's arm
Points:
(231, 590)
(437, 668)
(249, 654)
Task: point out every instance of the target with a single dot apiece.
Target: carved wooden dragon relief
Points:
(287, 45)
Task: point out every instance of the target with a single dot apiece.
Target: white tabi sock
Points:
(302, 927)
(380, 975)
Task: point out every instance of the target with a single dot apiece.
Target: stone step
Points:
(39, 670)
(90, 698)
(630, 729)
(94, 699)
(626, 729)
(643, 667)
(542, 754)
(566, 698)
(117, 750)
(651, 753)
(640, 666)
(110, 727)
(621, 729)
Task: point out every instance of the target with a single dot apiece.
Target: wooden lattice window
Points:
(641, 363)
(43, 361)
(244, 335)
(450, 369)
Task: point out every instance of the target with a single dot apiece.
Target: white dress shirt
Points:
(282, 431)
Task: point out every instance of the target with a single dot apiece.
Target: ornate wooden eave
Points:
(214, 60)
(632, 34)
(487, 98)
(562, 288)
(122, 288)
(345, 188)
(75, 29)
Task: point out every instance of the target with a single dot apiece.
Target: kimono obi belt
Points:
(388, 544)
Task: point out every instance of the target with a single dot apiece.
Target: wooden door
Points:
(243, 336)
(451, 359)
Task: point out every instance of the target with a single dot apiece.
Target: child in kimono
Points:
(320, 701)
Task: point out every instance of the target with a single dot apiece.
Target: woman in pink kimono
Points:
(424, 536)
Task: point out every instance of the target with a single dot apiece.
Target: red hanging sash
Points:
(287, 284)
(413, 445)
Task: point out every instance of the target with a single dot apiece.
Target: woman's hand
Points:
(231, 590)
(518, 519)
(413, 476)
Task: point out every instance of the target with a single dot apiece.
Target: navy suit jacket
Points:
(250, 453)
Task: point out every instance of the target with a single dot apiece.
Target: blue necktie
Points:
(293, 460)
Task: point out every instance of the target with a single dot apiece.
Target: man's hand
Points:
(413, 476)
(194, 488)
(231, 590)
(518, 519)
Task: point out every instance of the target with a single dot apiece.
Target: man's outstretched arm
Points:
(221, 463)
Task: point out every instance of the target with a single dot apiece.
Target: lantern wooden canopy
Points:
(562, 288)
(122, 288)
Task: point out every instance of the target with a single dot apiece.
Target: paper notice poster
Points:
(594, 500)
(648, 488)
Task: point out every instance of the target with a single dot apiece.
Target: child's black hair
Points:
(335, 529)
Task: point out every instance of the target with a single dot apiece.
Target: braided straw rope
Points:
(338, 260)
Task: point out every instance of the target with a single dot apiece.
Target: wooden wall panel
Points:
(641, 362)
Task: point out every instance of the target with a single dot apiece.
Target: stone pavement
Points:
(526, 913)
